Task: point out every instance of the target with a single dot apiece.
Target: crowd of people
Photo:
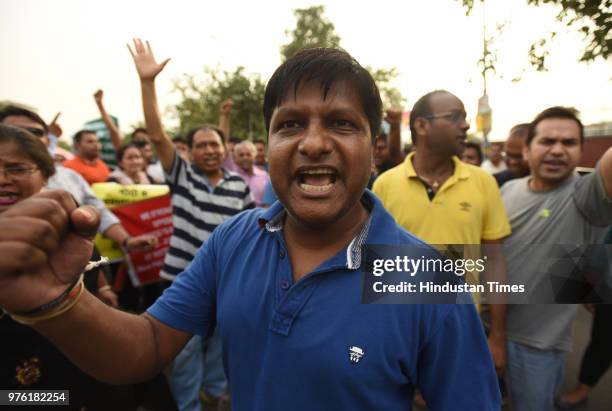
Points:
(261, 304)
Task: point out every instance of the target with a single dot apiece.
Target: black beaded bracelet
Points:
(53, 303)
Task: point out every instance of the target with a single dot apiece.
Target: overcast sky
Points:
(55, 54)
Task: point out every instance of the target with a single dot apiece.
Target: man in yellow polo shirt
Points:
(442, 200)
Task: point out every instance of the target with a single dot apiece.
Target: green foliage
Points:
(313, 29)
(65, 145)
(593, 18)
(390, 95)
(201, 97)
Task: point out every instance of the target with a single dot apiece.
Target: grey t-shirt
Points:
(546, 227)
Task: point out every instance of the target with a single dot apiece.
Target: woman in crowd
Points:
(130, 171)
(131, 164)
(28, 360)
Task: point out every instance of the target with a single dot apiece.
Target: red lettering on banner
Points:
(152, 216)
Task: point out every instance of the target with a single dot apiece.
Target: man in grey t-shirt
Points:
(552, 212)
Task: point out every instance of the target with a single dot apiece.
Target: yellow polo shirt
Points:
(467, 208)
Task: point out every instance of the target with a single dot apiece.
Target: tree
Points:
(313, 29)
(593, 18)
(390, 95)
(201, 97)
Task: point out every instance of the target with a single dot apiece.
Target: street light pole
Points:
(483, 118)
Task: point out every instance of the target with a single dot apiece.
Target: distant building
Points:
(597, 139)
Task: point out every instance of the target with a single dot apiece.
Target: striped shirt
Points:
(197, 210)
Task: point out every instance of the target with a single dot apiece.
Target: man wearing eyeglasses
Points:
(442, 200)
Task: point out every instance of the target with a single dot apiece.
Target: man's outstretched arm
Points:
(148, 69)
(605, 168)
(225, 113)
(108, 121)
(112, 345)
(45, 244)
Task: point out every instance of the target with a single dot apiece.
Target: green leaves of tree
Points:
(201, 96)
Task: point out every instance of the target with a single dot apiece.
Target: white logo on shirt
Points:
(355, 354)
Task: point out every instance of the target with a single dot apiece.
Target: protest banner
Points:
(142, 209)
(154, 217)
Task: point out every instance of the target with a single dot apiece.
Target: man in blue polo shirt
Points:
(282, 285)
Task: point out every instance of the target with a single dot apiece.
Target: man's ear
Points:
(420, 126)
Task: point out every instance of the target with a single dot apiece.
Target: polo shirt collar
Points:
(461, 171)
(380, 228)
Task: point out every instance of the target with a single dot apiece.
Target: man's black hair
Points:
(477, 147)
(20, 111)
(192, 132)
(179, 139)
(325, 66)
(422, 108)
(138, 130)
(234, 140)
(76, 139)
(555, 112)
(124, 148)
(520, 130)
(259, 141)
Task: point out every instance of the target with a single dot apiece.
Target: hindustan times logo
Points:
(459, 266)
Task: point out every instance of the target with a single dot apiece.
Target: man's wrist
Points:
(64, 302)
(124, 242)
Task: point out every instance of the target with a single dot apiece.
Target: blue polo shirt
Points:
(312, 345)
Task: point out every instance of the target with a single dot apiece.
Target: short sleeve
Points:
(455, 369)
(591, 199)
(495, 225)
(172, 176)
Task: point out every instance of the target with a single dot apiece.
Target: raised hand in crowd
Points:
(393, 116)
(46, 242)
(108, 121)
(148, 69)
(225, 112)
(144, 60)
(54, 127)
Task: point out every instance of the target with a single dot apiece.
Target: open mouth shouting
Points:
(8, 198)
(316, 180)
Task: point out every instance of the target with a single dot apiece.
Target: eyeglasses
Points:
(38, 132)
(18, 171)
(453, 116)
